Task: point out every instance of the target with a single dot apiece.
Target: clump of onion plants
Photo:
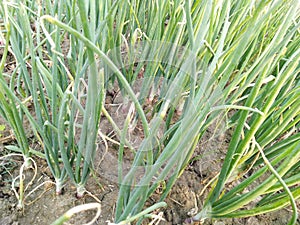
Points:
(200, 59)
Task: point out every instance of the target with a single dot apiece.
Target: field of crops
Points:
(149, 112)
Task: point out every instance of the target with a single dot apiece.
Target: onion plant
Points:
(258, 137)
(242, 62)
(11, 111)
(50, 88)
(31, 85)
(83, 150)
(8, 109)
(200, 59)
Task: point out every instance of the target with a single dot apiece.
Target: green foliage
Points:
(2, 128)
(200, 59)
